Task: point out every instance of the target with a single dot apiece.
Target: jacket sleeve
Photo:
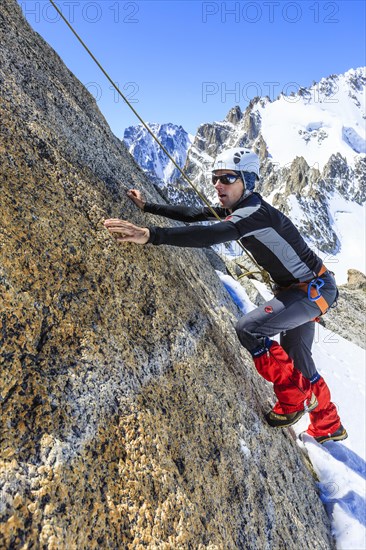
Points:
(195, 236)
(183, 213)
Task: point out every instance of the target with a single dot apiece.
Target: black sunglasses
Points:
(226, 179)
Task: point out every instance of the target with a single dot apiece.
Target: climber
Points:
(305, 289)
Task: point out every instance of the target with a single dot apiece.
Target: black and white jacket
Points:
(264, 231)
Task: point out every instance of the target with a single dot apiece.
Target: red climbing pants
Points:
(292, 389)
(290, 366)
(324, 419)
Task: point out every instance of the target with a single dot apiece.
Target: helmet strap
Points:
(246, 191)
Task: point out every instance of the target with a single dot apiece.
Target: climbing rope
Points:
(264, 273)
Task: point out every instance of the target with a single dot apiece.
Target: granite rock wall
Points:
(130, 416)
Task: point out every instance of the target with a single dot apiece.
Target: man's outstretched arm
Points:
(194, 236)
(180, 213)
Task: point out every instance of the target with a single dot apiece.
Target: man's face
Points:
(228, 194)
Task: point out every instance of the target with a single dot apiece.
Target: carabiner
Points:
(317, 284)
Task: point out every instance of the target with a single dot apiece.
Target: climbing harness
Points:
(264, 274)
(312, 289)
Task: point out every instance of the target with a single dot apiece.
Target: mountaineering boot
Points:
(338, 435)
(282, 420)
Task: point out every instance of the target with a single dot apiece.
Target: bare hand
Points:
(136, 197)
(124, 231)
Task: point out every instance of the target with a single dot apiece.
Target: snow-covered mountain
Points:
(316, 123)
(312, 146)
(313, 164)
(152, 158)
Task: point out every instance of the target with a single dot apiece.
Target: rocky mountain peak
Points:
(356, 280)
(150, 156)
(234, 115)
(356, 78)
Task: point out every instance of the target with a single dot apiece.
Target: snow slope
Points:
(341, 466)
(326, 118)
(349, 222)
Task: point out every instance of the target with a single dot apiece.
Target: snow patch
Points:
(237, 293)
(349, 224)
(354, 140)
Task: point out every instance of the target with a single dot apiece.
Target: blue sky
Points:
(189, 62)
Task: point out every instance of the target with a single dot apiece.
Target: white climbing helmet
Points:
(238, 159)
